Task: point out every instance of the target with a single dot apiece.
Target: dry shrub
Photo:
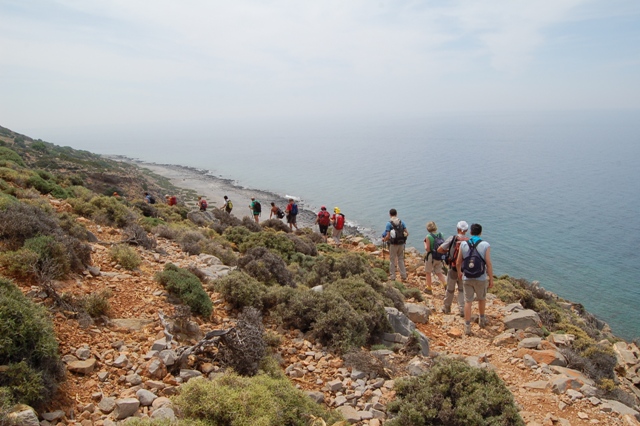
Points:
(276, 225)
(136, 235)
(244, 347)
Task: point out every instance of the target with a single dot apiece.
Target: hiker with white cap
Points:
(450, 247)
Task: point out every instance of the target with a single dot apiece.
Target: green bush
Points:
(277, 242)
(368, 303)
(96, 304)
(28, 346)
(7, 154)
(236, 234)
(329, 317)
(265, 266)
(187, 287)
(26, 225)
(7, 199)
(126, 256)
(20, 263)
(240, 290)
(112, 212)
(262, 400)
(453, 393)
(408, 292)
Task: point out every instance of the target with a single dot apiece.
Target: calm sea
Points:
(557, 194)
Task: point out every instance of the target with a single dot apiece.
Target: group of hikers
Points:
(468, 259)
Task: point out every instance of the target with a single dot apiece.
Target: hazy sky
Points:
(65, 63)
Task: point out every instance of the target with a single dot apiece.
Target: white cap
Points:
(463, 226)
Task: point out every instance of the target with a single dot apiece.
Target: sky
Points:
(66, 64)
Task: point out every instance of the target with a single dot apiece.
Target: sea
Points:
(556, 192)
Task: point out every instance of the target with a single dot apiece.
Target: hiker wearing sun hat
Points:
(337, 220)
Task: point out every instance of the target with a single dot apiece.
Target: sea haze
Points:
(556, 193)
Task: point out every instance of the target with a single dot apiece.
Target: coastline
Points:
(214, 188)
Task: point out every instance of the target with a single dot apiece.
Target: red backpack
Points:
(455, 245)
(339, 221)
(324, 218)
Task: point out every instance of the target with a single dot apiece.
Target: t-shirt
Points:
(482, 250)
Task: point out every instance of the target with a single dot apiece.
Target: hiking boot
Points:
(428, 291)
(446, 310)
(461, 313)
(467, 329)
(482, 322)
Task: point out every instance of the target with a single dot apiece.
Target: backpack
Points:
(203, 204)
(324, 218)
(473, 265)
(339, 222)
(437, 242)
(257, 207)
(280, 213)
(396, 235)
(294, 209)
(151, 199)
(454, 249)
(229, 205)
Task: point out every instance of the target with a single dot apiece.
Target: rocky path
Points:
(116, 370)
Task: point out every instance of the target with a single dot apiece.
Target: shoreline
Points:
(214, 188)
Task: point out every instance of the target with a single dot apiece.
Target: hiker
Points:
(149, 199)
(337, 220)
(256, 209)
(202, 203)
(227, 206)
(276, 211)
(396, 234)
(292, 214)
(475, 268)
(433, 260)
(171, 200)
(451, 247)
(323, 220)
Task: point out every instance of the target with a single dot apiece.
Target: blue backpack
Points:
(294, 209)
(473, 266)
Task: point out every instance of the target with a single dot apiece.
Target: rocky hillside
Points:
(138, 340)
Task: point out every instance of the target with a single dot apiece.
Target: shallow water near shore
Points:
(556, 193)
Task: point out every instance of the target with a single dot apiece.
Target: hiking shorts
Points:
(291, 219)
(323, 229)
(473, 289)
(433, 266)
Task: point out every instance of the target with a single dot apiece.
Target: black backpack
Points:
(151, 199)
(257, 207)
(437, 242)
(280, 213)
(473, 265)
(396, 235)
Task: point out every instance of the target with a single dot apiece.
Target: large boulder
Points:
(521, 320)
(417, 313)
(82, 367)
(402, 325)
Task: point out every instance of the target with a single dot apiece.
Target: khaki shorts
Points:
(433, 266)
(473, 288)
